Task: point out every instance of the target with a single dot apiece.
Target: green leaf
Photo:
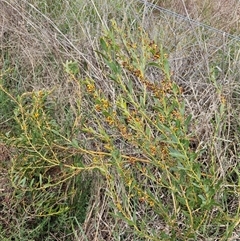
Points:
(74, 143)
(130, 86)
(148, 132)
(103, 55)
(202, 198)
(174, 138)
(177, 154)
(71, 67)
(103, 44)
(166, 68)
(187, 121)
(153, 64)
(182, 108)
(55, 132)
(78, 161)
(31, 183)
(114, 66)
(142, 102)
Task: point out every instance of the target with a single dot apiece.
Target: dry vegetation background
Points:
(41, 43)
(221, 13)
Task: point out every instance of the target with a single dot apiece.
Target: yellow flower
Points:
(223, 99)
(119, 207)
(142, 199)
(151, 203)
(108, 147)
(105, 103)
(98, 108)
(36, 115)
(110, 120)
(134, 45)
(153, 150)
(24, 127)
(90, 88)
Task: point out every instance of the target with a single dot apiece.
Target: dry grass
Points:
(223, 14)
(35, 44)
